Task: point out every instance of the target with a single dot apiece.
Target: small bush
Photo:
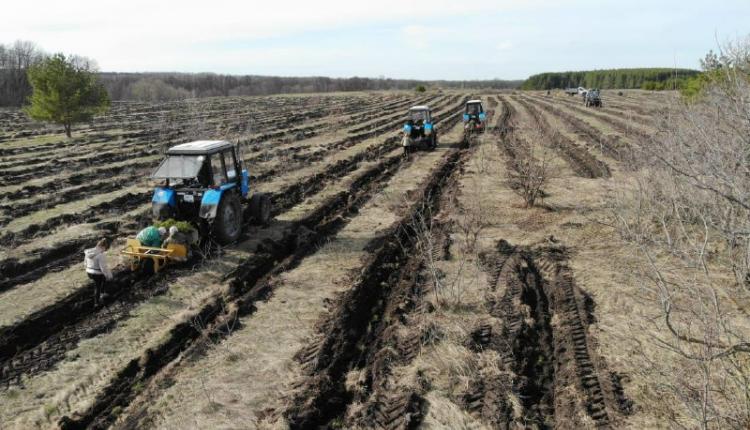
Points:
(420, 89)
(182, 226)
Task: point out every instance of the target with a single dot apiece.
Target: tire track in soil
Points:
(515, 148)
(249, 283)
(57, 198)
(548, 360)
(278, 128)
(322, 396)
(580, 160)
(611, 145)
(382, 401)
(618, 125)
(13, 210)
(15, 273)
(139, 412)
(25, 349)
(92, 213)
(119, 205)
(182, 116)
(23, 341)
(55, 167)
(321, 151)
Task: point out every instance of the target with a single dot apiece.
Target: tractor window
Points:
(217, 170)
(179, 167)
(474, 109)
(418, 116)
(229, 161)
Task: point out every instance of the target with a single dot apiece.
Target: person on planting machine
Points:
(178, 238)
(152, 236)
(97, 269)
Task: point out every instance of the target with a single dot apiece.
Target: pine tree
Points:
(65, 91)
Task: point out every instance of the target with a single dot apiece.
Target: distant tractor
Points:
(419, 132)
(474, 118)
(592, 98)
(206, 184)
(571, 91)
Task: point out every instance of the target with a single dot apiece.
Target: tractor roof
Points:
(473, 101)
(199, 147)
(422, 107)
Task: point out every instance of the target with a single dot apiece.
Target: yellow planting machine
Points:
(206, 185)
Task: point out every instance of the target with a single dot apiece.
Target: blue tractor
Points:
(206, 184)
(419, 130)
(474, 118)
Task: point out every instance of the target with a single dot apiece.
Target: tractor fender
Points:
(211, 199)
(163, 202)
(165, 196)
(209, 203)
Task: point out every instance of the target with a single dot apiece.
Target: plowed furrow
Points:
(27, 335)
(581, 161)
(545, 368)
(249, 283)
(348, 325)
(611, 145)
(636, 133)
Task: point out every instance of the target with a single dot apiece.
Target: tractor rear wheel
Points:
(260, 208)
(227, 225)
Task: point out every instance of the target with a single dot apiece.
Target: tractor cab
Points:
(592, 98)
(419, 129)
(474, 116)
(419, 120)
(206, 183)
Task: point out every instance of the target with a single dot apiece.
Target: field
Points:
(387, 292)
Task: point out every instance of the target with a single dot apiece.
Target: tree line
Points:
(17, 58)
(173, 86)
(644, 78)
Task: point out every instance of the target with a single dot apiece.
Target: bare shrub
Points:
(425, 240)
(428, 235)
(529, 169)
(688, 212)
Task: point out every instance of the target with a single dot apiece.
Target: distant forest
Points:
(16, 58)
(648, 79)
(172, 86)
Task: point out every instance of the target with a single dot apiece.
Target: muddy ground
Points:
(389, 291)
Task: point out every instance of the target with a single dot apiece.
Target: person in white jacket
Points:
(96, 267)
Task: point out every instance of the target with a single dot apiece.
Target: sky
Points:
(419, 39)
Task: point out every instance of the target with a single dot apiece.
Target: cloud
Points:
(337, 37)
(143, 34)
(416, 36)
(504, 46)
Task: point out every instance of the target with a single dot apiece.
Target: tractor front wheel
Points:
(260, 208)
(227, 225)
